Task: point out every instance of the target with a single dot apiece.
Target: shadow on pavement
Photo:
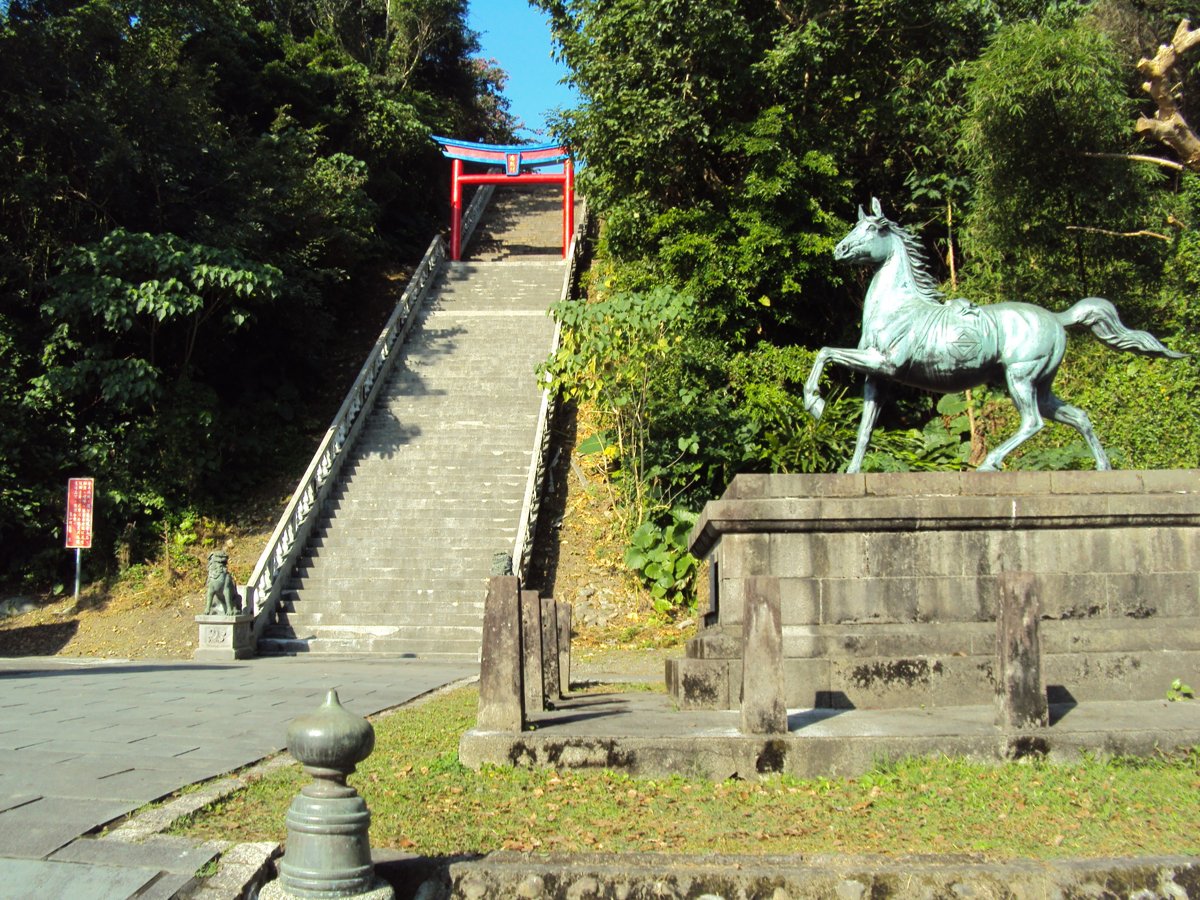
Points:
(36, 640)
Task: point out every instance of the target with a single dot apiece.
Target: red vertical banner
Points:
(80, 492)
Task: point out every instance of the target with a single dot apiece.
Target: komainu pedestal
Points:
(890, 584)
(225, 637)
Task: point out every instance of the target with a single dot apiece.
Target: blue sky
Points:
(517, 36)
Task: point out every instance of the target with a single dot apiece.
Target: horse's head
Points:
(869, 240)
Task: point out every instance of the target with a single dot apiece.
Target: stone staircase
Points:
(435, 485)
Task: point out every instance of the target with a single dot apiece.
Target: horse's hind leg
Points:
(1020, 388)
(1054, 409)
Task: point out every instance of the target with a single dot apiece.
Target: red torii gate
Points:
(518, 163)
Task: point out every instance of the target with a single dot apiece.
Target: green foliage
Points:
(1180, 691)
(659, 555)
(1044, 106)
(777, 433)
(612, 354)
(190, 195)
(943, 444)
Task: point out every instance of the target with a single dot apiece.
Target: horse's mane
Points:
(926, 286)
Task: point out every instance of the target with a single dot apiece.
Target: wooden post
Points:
(564, 648)
(568, 205)
(550, 680)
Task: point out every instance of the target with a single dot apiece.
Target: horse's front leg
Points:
(869, 361)
(871, 403)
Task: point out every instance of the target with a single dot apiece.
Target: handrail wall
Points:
(534, 486)
(291, 534)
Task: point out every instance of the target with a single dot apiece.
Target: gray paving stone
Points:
(37, 829)
(160, 853)
(39, 880)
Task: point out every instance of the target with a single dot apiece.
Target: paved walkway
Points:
(83, 742)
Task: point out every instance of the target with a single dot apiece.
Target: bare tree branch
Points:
(1138, 157)
(1168, 124)
(1143, 233)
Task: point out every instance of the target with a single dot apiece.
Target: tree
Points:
(189, 191)
(1168, 125)
(1043, 132)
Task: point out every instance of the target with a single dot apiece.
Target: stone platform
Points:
(645, 734)
(889, 584)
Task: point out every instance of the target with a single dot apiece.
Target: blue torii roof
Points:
(527, 155)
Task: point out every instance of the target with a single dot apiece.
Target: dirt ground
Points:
(145, 614)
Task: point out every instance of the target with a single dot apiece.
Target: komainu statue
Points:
(221, 596)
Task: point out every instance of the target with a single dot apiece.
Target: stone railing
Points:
(527, 527)
(479, 201)
(291, 533)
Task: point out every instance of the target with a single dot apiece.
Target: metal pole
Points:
(78, 566)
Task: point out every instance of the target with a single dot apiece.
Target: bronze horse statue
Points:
(910, 334)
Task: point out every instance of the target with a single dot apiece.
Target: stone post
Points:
(550, 676)
(763, 707)
(501, 701)
(1020, 685)
(564, 648)
(531, 651)
(328, 853)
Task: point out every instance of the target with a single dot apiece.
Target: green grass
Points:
(422, 799)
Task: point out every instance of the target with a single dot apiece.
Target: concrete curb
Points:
(663, 877)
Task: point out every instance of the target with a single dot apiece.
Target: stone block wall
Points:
(889, 584)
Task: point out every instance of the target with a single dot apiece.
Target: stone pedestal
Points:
(225, 637)
(890, 584)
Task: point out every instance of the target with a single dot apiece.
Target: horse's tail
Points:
(1101, 316)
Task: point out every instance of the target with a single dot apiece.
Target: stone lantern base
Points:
(274, 890)
(225, 637)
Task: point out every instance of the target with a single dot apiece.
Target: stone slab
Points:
(27, 879)
(644, 734)
(160, 853)
(38, 829)
(105, 737)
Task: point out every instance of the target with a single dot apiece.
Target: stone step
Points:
(460, 603)
(324, 585)
(284, 645)
(428, 545)
(434, 488)
(345, 640)
(322, 620)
